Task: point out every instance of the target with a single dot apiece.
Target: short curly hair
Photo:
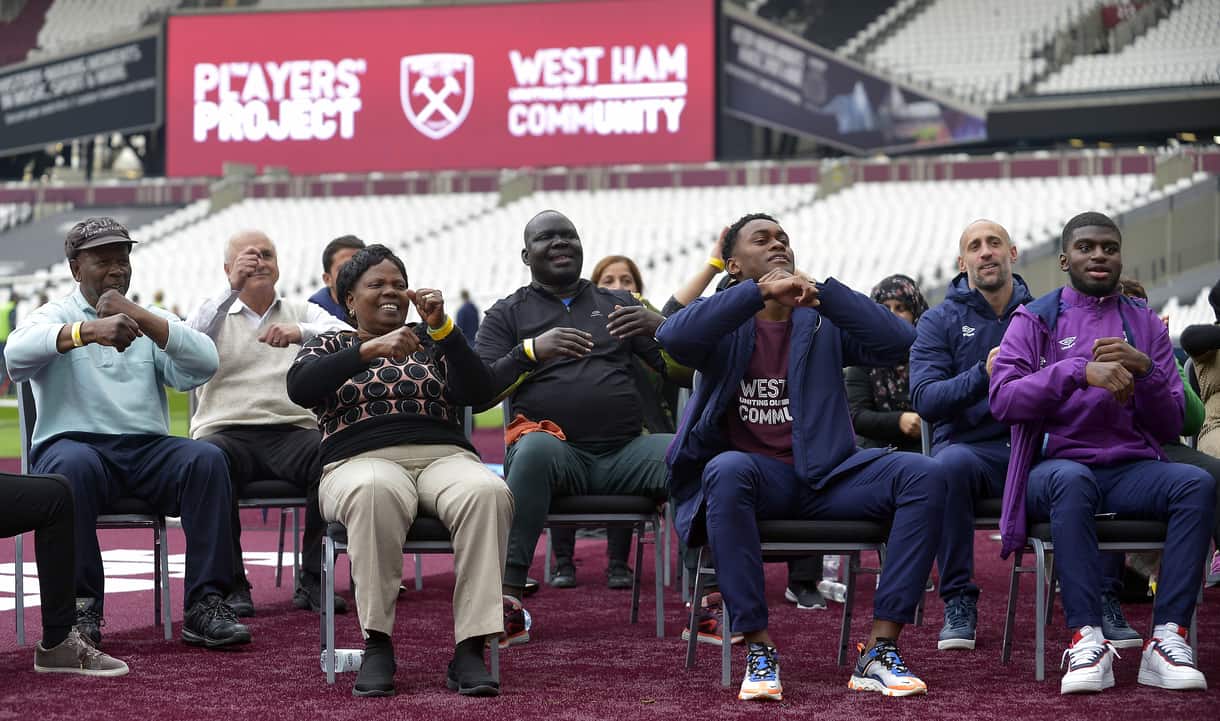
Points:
(354, 269)
(730, 237)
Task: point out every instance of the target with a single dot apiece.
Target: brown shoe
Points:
(76, 655)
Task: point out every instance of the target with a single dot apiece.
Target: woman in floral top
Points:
(388, 398)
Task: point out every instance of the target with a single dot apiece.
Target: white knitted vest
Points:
(249, 388)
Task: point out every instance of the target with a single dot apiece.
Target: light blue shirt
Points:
(95, 388)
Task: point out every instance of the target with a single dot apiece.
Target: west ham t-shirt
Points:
(759, 420)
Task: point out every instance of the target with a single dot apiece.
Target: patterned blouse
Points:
(362, 406)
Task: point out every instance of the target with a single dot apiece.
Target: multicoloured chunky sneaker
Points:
(961, 620)
(882, 669)
(517, 622)
(1168, 662)
(709, 622)
(1090, 662)
(761, 681)
(1114, 624)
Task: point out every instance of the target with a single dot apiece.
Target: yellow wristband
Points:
(442, 332)
(528, 346)
(716, 263)
(76, 339)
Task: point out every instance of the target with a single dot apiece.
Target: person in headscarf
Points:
(880, 398)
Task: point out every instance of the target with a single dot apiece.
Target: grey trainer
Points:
(76, 655)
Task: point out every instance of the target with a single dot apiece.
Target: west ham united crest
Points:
(437, 90)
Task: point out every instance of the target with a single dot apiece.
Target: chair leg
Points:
(661, 556)
(1040, 610)
(1010, 617)
(546, 566)
(419, 572)
(156, 577)
(1053, 573)
(853, 565)
(685, 582)
(637, 576)
(726, 647)
(167, 619)
(279, 556)
(296, 545)
(328, 608)
(696, 597)
(19, 586)
(669, 535)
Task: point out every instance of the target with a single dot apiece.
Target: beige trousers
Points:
(377, 496)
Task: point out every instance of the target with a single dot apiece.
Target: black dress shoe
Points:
(309, 594)
(240, 600)
(479, 683)
(89, 620)
(210, 622)
(376, 676)
(531, 587)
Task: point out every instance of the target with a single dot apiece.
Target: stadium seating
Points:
(979, 51)
(20, 35)
(1183, 49)
(13, 213)
(1185, 312)
(76, 24)
(456, 241)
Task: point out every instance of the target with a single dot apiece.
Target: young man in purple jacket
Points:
(767, 435)
(1087, 379)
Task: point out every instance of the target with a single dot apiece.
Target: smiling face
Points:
(102, 268)
(379, 299)
(986, 255)
(1093, 260)
(552, 249)
(759, 248)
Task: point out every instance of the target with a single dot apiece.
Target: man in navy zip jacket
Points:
(767, 435)
(950, 368)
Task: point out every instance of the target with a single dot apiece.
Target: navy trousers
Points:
(177, 476)
(972, 471)
(1070, 494)
(743, 488)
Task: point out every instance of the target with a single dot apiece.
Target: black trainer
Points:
(472, 684)
(211, 623)
(564, 575)
(806, 598)
(619, 576)
(89, 620)
(309, 594)
(376, 676)
(240, 600)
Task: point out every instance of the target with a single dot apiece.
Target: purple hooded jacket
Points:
(1038, 387)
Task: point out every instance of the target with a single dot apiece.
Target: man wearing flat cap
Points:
(98, 365)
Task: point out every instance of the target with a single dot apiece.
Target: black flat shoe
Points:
(476, 684)
(376, 676)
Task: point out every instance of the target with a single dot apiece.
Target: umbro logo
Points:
(596, 314)
(967, 332)
(1068, 342)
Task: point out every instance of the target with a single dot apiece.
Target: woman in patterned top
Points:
(388, 399)
(880, 398)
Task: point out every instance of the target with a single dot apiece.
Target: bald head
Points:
(246, 239)
(552, 250)
(986, 255)
(546, 220)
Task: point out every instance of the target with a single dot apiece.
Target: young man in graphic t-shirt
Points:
(768, 436)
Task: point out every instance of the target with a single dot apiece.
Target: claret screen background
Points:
(537, 84)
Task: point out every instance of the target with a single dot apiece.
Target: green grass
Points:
(10, 431)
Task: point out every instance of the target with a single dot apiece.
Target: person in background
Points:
(1202, 342)
(334, 255)
(880, 398)
(468, 316)
(244, 410)
(1086, 377)
(389, 401)
(43, 504)
(8, 321)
